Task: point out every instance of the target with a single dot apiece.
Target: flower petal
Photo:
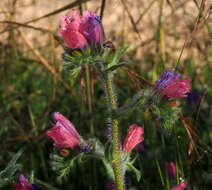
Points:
(133, 137)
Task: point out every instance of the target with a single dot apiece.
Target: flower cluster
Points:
(79, 31)
(63, 132)
(170, 85)
(25, 185)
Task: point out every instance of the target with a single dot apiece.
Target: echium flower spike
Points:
(63, 132)
(169, 85)
(25, 185)
(69, 31)
(177, 88)
(133, 137)
(165, 79)
(79, 31)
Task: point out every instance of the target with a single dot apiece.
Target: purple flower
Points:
(165, 79)
(92, 29)
(25, 185)
(86, 146)
(79, 31)
(142, 147)
(193, 97)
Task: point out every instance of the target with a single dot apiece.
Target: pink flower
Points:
(181, 186)
(171, 170)
(133, 137)
(63, 133)
(25, 185)
(177, 88)
(78, 31)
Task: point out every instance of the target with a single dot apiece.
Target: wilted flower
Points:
(193, 97)
(63, 132)
(181, 186)
(79, 31)
(177, 88)
(111, 185)
(165, 79)
(133, 137)
(142, 147)
(171, 170)
(86, 146)
(25, 185)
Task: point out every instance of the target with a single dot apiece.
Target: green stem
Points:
(88, 86)
(112, 105)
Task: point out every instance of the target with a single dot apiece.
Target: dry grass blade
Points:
(140, 77)
(135, 83)
(70, 5)
(56, 37)
(199, 106)
(145, 11)
(55, 68)
(46, 63)
(131, 19)
(190, 131)
(200, 16)
(102, 9)
(188, 41)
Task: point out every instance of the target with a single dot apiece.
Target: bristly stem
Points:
(112, 105)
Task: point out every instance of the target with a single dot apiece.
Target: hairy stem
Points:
(112, 103)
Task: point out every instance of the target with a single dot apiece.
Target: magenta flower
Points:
(63, 132)
(170, 85)
(181, 186)
(25, 185)
(79, 31)
(177, 88)
(171, 170)
(133, 137)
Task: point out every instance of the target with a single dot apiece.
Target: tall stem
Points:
(112, 105)
(88, 85)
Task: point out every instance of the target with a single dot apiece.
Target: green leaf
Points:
(109, 152)
(114, 67)
(130, 167)
(117, 57)
(7, 174)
